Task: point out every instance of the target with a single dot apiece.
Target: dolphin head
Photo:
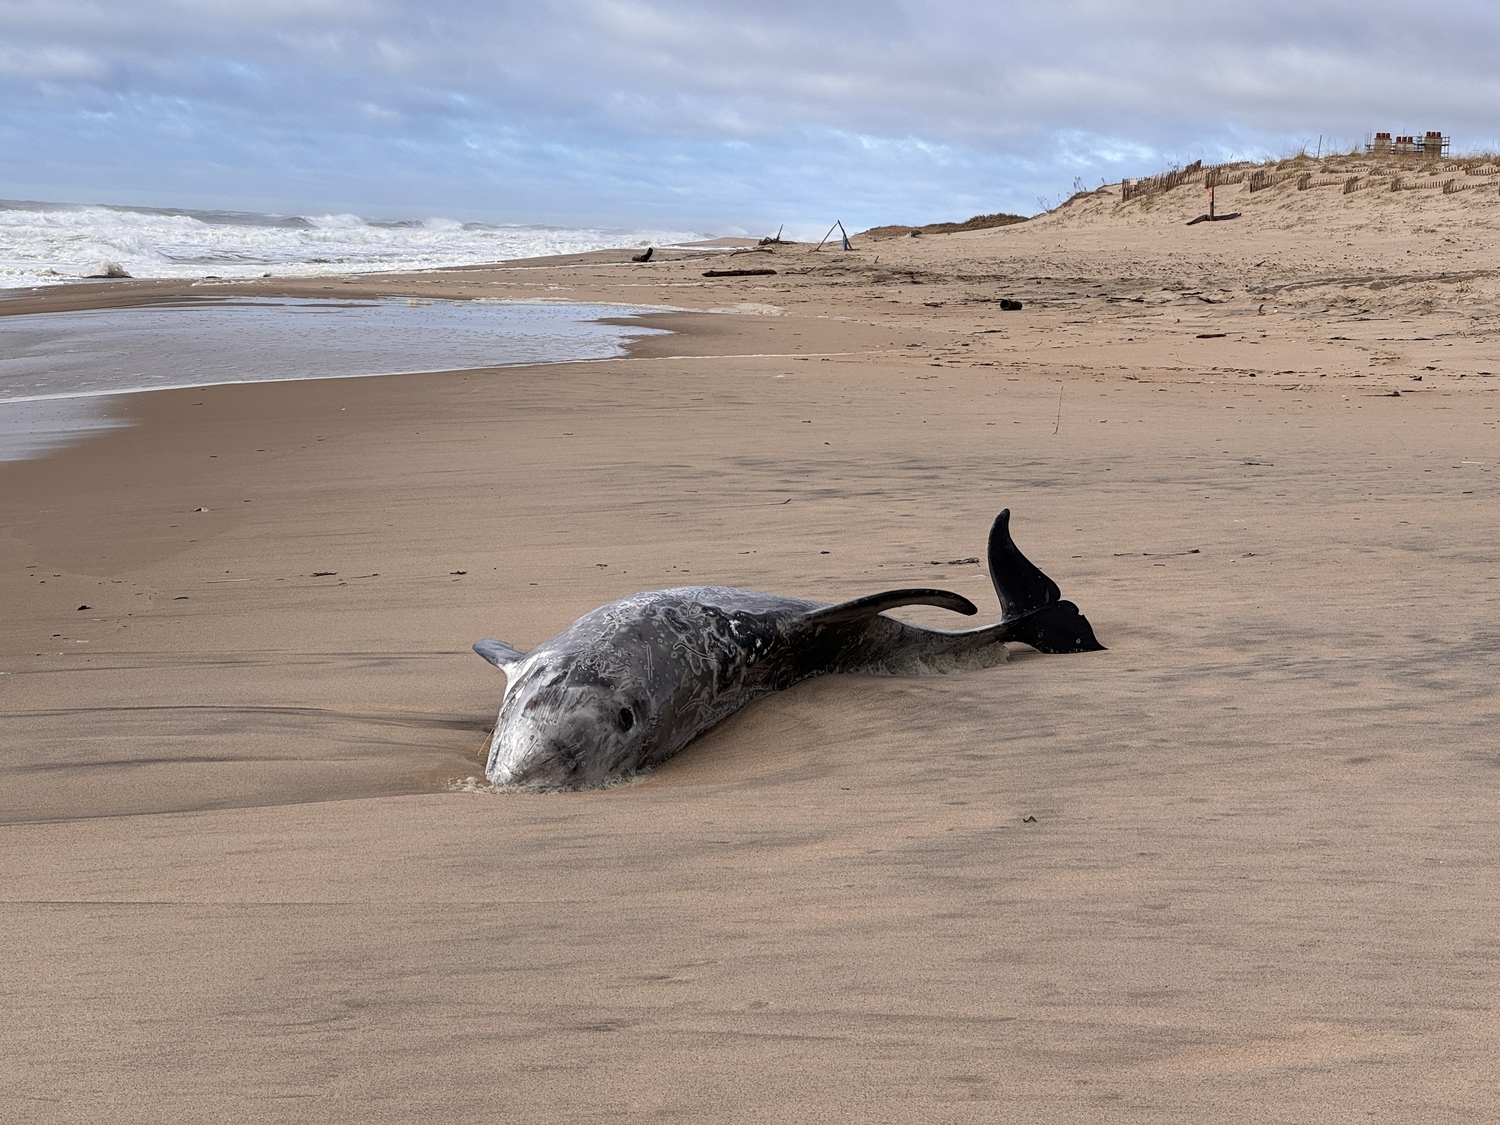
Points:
(565, 725)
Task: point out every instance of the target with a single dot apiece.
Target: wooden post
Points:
(838, 225)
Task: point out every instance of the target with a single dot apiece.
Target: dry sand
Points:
(1261, 879)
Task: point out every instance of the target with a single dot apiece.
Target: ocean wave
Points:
(44, 243)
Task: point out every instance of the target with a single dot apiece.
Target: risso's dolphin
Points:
(627, 686)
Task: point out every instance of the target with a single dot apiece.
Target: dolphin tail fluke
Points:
(1056, 628)
(1031, 603)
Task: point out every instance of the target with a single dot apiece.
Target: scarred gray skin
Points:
(679, 661)
(627, 686)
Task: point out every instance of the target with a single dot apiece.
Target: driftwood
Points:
(843, 236)
(738, 273)
(1213, 218)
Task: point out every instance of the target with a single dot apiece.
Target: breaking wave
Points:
(42, 243)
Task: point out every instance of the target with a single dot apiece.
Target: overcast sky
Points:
(704, 114)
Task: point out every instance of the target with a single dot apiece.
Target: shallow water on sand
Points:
(58, 369)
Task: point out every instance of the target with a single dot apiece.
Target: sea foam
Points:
(42, 243)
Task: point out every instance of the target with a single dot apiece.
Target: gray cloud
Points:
(637, 110)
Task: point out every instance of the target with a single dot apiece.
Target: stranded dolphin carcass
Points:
(630, 684)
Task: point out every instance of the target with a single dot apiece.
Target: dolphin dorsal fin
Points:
(872, 604)
(498, 653)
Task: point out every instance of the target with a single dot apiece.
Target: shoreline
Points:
(108, 414)
(622, 320)
(1233, 865)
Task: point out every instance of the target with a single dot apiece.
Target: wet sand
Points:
(1260, 877)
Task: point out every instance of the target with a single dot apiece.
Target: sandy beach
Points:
(1242, 866)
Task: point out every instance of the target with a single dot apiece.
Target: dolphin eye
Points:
(626, 718)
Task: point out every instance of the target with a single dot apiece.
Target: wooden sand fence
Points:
(1260, 179)
(1150, 185)
(1308, 180)
(1263, 178)
(1221, 174)
(1447, 186)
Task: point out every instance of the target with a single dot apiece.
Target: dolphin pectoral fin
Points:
(1022, 587)
(872, 604)
(498, 653)
(1055, 628)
